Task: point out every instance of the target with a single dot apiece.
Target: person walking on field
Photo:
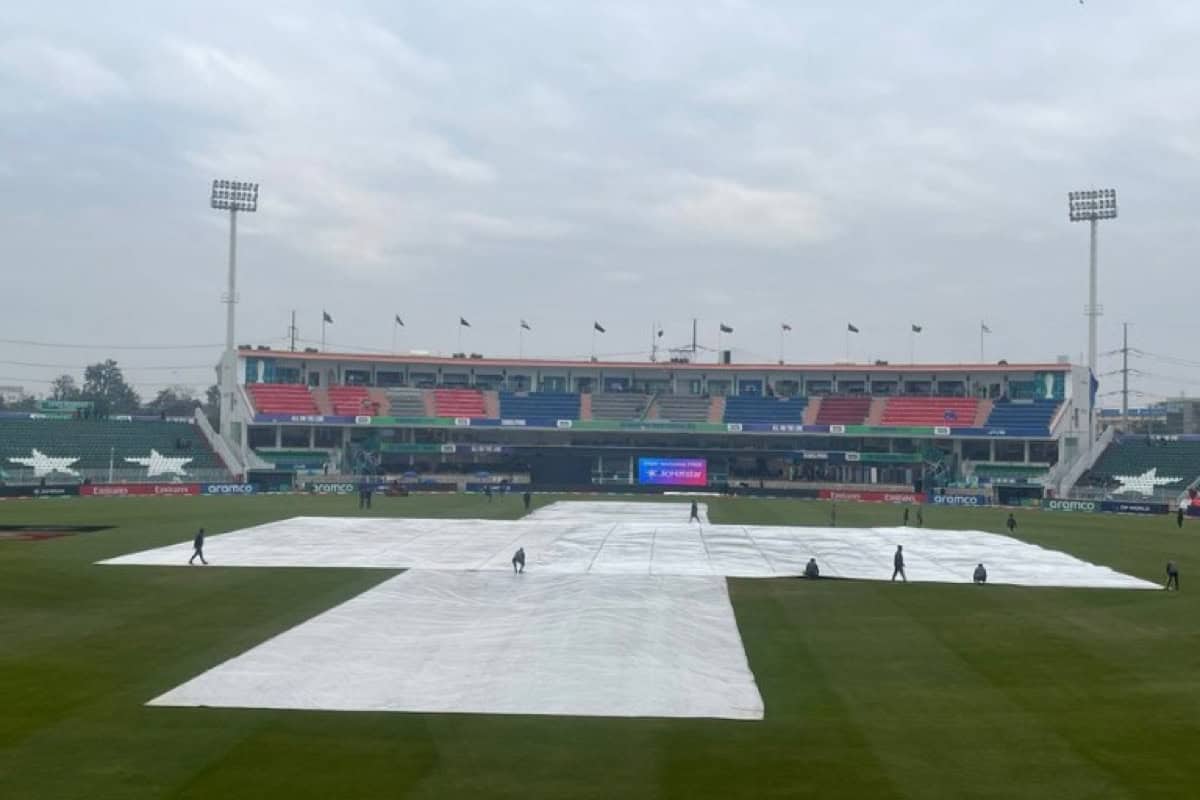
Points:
(906, 516)
(527, 498)
(1172, 576)
(1011, 523)
(920, 517)
(1179, 515)
(518, 560)
(898, 564)
(695, 512)
(198, 548)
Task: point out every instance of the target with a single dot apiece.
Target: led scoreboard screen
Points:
(673, 471)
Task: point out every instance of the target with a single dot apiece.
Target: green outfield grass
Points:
(872, 690)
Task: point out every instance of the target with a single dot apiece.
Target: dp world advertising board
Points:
(673, 471)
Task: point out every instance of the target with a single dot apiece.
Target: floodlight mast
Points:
(231, 196)
(1092, 206)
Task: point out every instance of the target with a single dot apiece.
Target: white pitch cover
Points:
(623, 609)
(499, 643)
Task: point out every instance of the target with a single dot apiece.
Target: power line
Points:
(64, 345)
(124, 368)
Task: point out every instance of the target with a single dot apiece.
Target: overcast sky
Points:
(874, 162)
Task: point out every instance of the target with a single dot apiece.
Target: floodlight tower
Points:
(231, 196)
(1092, 206)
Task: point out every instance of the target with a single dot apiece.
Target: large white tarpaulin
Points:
(499, 643)
(616, 538)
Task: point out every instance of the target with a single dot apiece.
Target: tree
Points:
(105, 385)
(64, 388)
(174, 401)
(212, 405)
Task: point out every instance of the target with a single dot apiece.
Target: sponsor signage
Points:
(462, 422)
(733, 427)
(514, 423)
(138, 489)
(1123, 507)
(673, 471)
(959, 500)
(787, 428)
(872, 497)
(814, 455)
(941, 430)
(228, 488)
(1087, 506)
(565, 423)
(837, 428)
(38, 491)
(340, 487)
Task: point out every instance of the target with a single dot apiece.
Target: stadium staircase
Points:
(349, 401)
(813, 411)
(949, 412)
(875, 414)
(585, 407)
(983, 412)
(96, 443)
(491, 404)
(459, 403)
(716, 411)
(282, 398)
(1023, 418)
(753, 409)
(846, 410)
(651, 411)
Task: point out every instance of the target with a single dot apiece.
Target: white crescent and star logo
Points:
(44, 465)
(1145, 483)
(158, 464)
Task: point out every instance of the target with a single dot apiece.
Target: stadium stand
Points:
(539, 405)
(843, 410)
(1151, 460)
(406, 402)
(741, 408)
(950, 412)
(282, 398)
(1026, 419)
(682, 408)
(619, 406)
(96, 443)
(459, 403)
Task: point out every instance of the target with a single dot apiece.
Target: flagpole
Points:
(593, 341)
(981, 342)
(394, 331)
(322, 331)
(847, 345)
(781, 345)
(460, 327)
(912, 344)
(521, 342)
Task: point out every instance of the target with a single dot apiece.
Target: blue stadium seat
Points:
(1023, 419)
(539, 405)
(749, 408)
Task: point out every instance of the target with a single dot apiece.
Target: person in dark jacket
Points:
(695, 517)
(811, 570)
(980, 574)
(1172, 576)
(1179, 517)
(905, 523)
(898, 564)
(518, 560)
(198, 548)
(1011, 523)
(527, 498)
(920, 517)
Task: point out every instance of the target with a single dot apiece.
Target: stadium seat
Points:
(682, 408)
(619, 406)
(949, 412)
(350, 401)
(406, 402)
(1134, 457)
(539, 405)
(850, 410)
(1023, 418)
(282, 398)
(459, 403)
(98, 443)
(743, 408)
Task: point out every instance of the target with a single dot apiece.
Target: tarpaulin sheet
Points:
(640, 539)
(499, 643)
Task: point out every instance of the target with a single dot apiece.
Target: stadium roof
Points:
(534, 363)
